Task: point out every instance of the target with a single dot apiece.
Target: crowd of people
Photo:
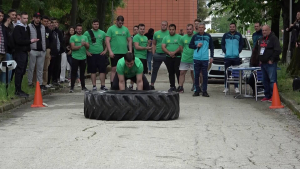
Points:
(49, 53)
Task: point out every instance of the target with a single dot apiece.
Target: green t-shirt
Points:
(172, 42)
(118, 41)
(136, 69)
(159, 36)
(143, 41)
(187, 54)
(96, 48)
(81, 53)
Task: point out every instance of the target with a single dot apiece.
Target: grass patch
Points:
(285, 82)
(11, 90)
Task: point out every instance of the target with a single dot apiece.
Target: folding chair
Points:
(232, 77)
(257, 74)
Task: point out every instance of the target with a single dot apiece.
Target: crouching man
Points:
(131, 68)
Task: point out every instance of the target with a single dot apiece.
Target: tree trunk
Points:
(101, 6)
(276, 19)
(285, 16)
(74, 12)
(16, 4)
(1, 4)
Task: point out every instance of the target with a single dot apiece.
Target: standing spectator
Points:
(96, 54)
(79, 44)
(295, 28)
(141, 46)
(117, 38)
(232, 46)
(257, 34)
(201, 42)
(12, 15)
(3, 41)
(196, 21)
(149, 35)
(21, 36)
(158, 54)
(186, 58)
(181, 32)
(269, 50)
(135, 32)
(38, 50)
(170, 45)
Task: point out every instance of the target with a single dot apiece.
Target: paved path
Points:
(216, 132)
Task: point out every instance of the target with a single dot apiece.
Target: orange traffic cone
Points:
(276, 103)
(38, 100)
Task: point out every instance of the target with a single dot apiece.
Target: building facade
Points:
(153, 12)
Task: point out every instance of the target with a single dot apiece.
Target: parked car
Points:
(216, 69)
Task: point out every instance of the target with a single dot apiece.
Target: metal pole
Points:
(288, 57)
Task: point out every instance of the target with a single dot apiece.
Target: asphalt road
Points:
(216, 132)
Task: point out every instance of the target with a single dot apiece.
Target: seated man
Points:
(131, 68)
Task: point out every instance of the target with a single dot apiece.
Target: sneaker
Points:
(79, 84)
(152, 87)
(260, 90)
(67, 81)
(205, 94)
(31, 85)
(264, 99)
(172, 89)
(49, 85)
(84, 89)
(104, 88)
(237, 90)
(270, 100)
(21, 94)
(180, 89)
(43, 88)
(193, 88)
(94, 89)
(149, 72)
(69, 84)
(196, 94)
(225, 90)
(71, 90)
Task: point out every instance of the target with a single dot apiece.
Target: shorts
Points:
(96, 61)
(114, 61)
(186, 66)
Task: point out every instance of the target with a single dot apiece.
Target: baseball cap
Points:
(37, 14)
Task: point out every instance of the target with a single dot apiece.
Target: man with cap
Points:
(38, 50)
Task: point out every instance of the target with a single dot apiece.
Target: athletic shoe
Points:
(180, 89)
(94, 88)
(43, 88)
(264, 99)
(31, 85)
(84, 89)
(237, 90)
(22, 94)
(196, 94)
(172, 89)
(270, 100)
(205, 94)
(69, 84)
(79, 84)
(149, 72)
(225, 90)
(71, 90)
(104, 88)
(49, 85)
(152, 87)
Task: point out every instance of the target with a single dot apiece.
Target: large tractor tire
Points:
(131, 105)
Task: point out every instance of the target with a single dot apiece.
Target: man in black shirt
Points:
(21, 36)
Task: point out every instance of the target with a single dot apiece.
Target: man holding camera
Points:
(96, 58)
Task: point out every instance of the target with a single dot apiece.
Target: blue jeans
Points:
(230, 62)
(269, 72)
(3, 74)
(200, 65)
(149, 60)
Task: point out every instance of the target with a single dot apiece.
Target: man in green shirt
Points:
(158, 54)
(96, 58)
(131, 68)
(141, 46)
(186, 58)
(117, 39)
(170, 45)
(79, 44)
(196, 21)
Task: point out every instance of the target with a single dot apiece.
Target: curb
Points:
(290, 104)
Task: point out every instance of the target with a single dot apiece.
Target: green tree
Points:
(203, 10)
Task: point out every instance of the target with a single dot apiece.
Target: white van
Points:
(216, 69)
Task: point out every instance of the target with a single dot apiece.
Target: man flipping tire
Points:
(131, 68)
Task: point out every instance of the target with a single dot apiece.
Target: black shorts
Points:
(114, 61)
(145, 65)
(96, 61)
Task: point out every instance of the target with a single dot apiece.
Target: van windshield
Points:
(217, 43)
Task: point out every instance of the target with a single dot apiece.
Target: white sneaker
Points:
(95, 88)
(69, 84)
(237, 90)
(225, 90)
(79, 84)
